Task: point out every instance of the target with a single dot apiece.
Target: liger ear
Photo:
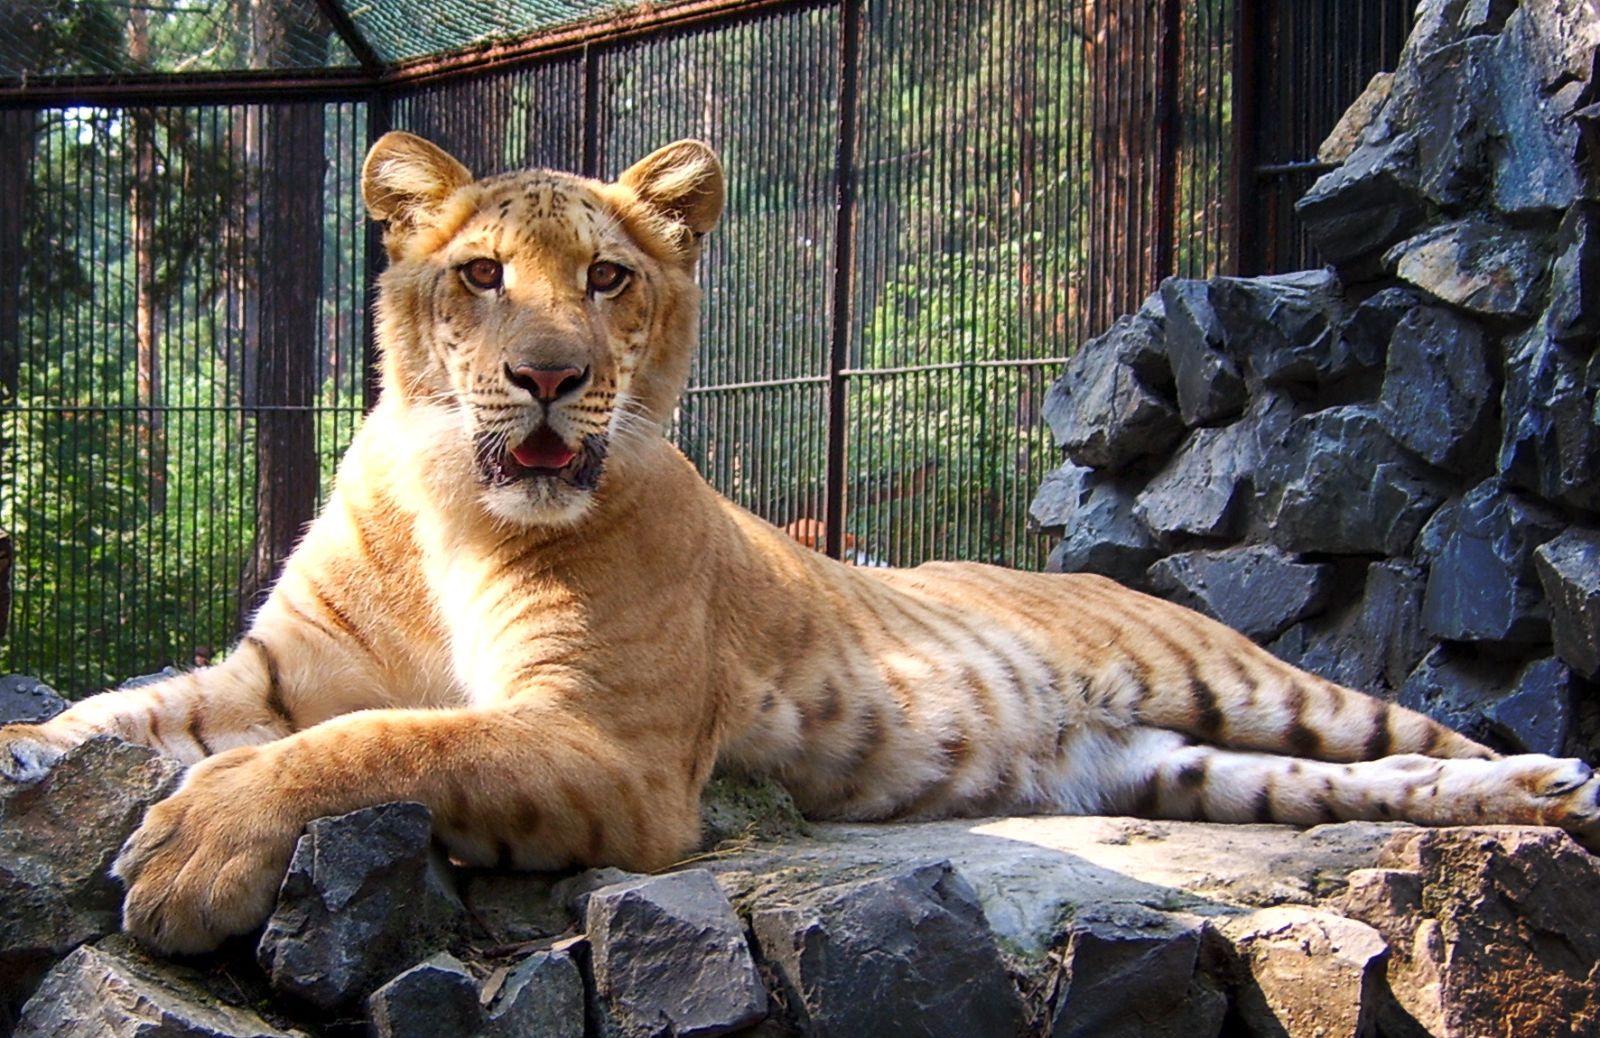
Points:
(406, 177)
(683, 181)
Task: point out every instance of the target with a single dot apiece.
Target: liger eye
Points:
(482, 273)
(605, 276)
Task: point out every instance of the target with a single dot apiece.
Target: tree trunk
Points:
(142, 133)
(290, 163)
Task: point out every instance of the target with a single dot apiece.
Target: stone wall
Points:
(1387, 471)
(1081, 927)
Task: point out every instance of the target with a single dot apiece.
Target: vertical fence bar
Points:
(843, 271)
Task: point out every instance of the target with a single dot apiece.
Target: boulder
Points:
(1364, 336)
(366, 896)
(1569, 572)
(1207, 486)
(1573, 316)
(436, 998)
(1257, 589)
(1206, 377)
(27, 699)
(1439, 394)
(1477, 264)
(1536, 713)
(1131, 972)
(669, 957)
(1370, 202)
(1106, 410)
(1550, 433)
(114, 991)
(1311, 973)
(513, 907)
(1101, 534)
(908, 952)
(1338, 483)
(58, 838)
(1372, 643)
(1447, 97)
(1457, 687)
(1482, 584)
(1552, 44)
(1495, 924)
(542, 997)
(1283, 327)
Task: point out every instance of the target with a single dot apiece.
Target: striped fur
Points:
(555, 663)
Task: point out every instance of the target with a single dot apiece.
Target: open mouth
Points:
(544, 455)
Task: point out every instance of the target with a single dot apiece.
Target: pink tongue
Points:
(543, 450)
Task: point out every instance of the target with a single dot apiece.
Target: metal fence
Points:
(933, 202)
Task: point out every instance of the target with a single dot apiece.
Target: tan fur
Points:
(555, 666)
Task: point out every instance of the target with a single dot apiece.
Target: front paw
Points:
(207, 861)
(28, 750)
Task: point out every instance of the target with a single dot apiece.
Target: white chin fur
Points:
(545, 504)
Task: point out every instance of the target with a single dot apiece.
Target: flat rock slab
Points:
(116, 992)
(1028, 872)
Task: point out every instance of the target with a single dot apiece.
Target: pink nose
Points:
(547, 384)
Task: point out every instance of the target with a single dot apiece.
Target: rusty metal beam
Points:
(237, 87)
(607, 29)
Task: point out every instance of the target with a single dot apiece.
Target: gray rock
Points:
(542, 998)
(1536, 715)
(1312, 974)
(1205, 488)
(1102, 410)
(908, 953)
(437, 998)
(514, 906)
(1540, 66)
(1550, 437)
(1338, 483)
(365, 896)
(1346, 134)
(150, 679)
(573, 892)
(1365, 334)
(1284, 327)
(1062, 494)
(27, 699)
(1454, 686)
(1256, 589)
(1447, 98)
(669, 958)
(1438, 393)
(58, 837)
(1103, 536)
(111, 992)
(1372, 201)
(1573, 317)
(1207, 380)
(1373, 643)
(1569, 572)
(1130, 972)
(1442, 900)
(1477, 265)
(1482, 584)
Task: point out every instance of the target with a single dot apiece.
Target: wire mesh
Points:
(932, 204)
(1316, 57)
(42, 38)
(155, 376)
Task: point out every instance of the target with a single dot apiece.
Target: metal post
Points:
(843, 264)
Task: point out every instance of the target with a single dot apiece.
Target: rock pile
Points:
(1103, 927)
(1387, 471)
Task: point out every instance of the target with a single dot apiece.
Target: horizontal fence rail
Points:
(932, 204)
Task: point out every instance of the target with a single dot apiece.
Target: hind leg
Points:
(1160, 774)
